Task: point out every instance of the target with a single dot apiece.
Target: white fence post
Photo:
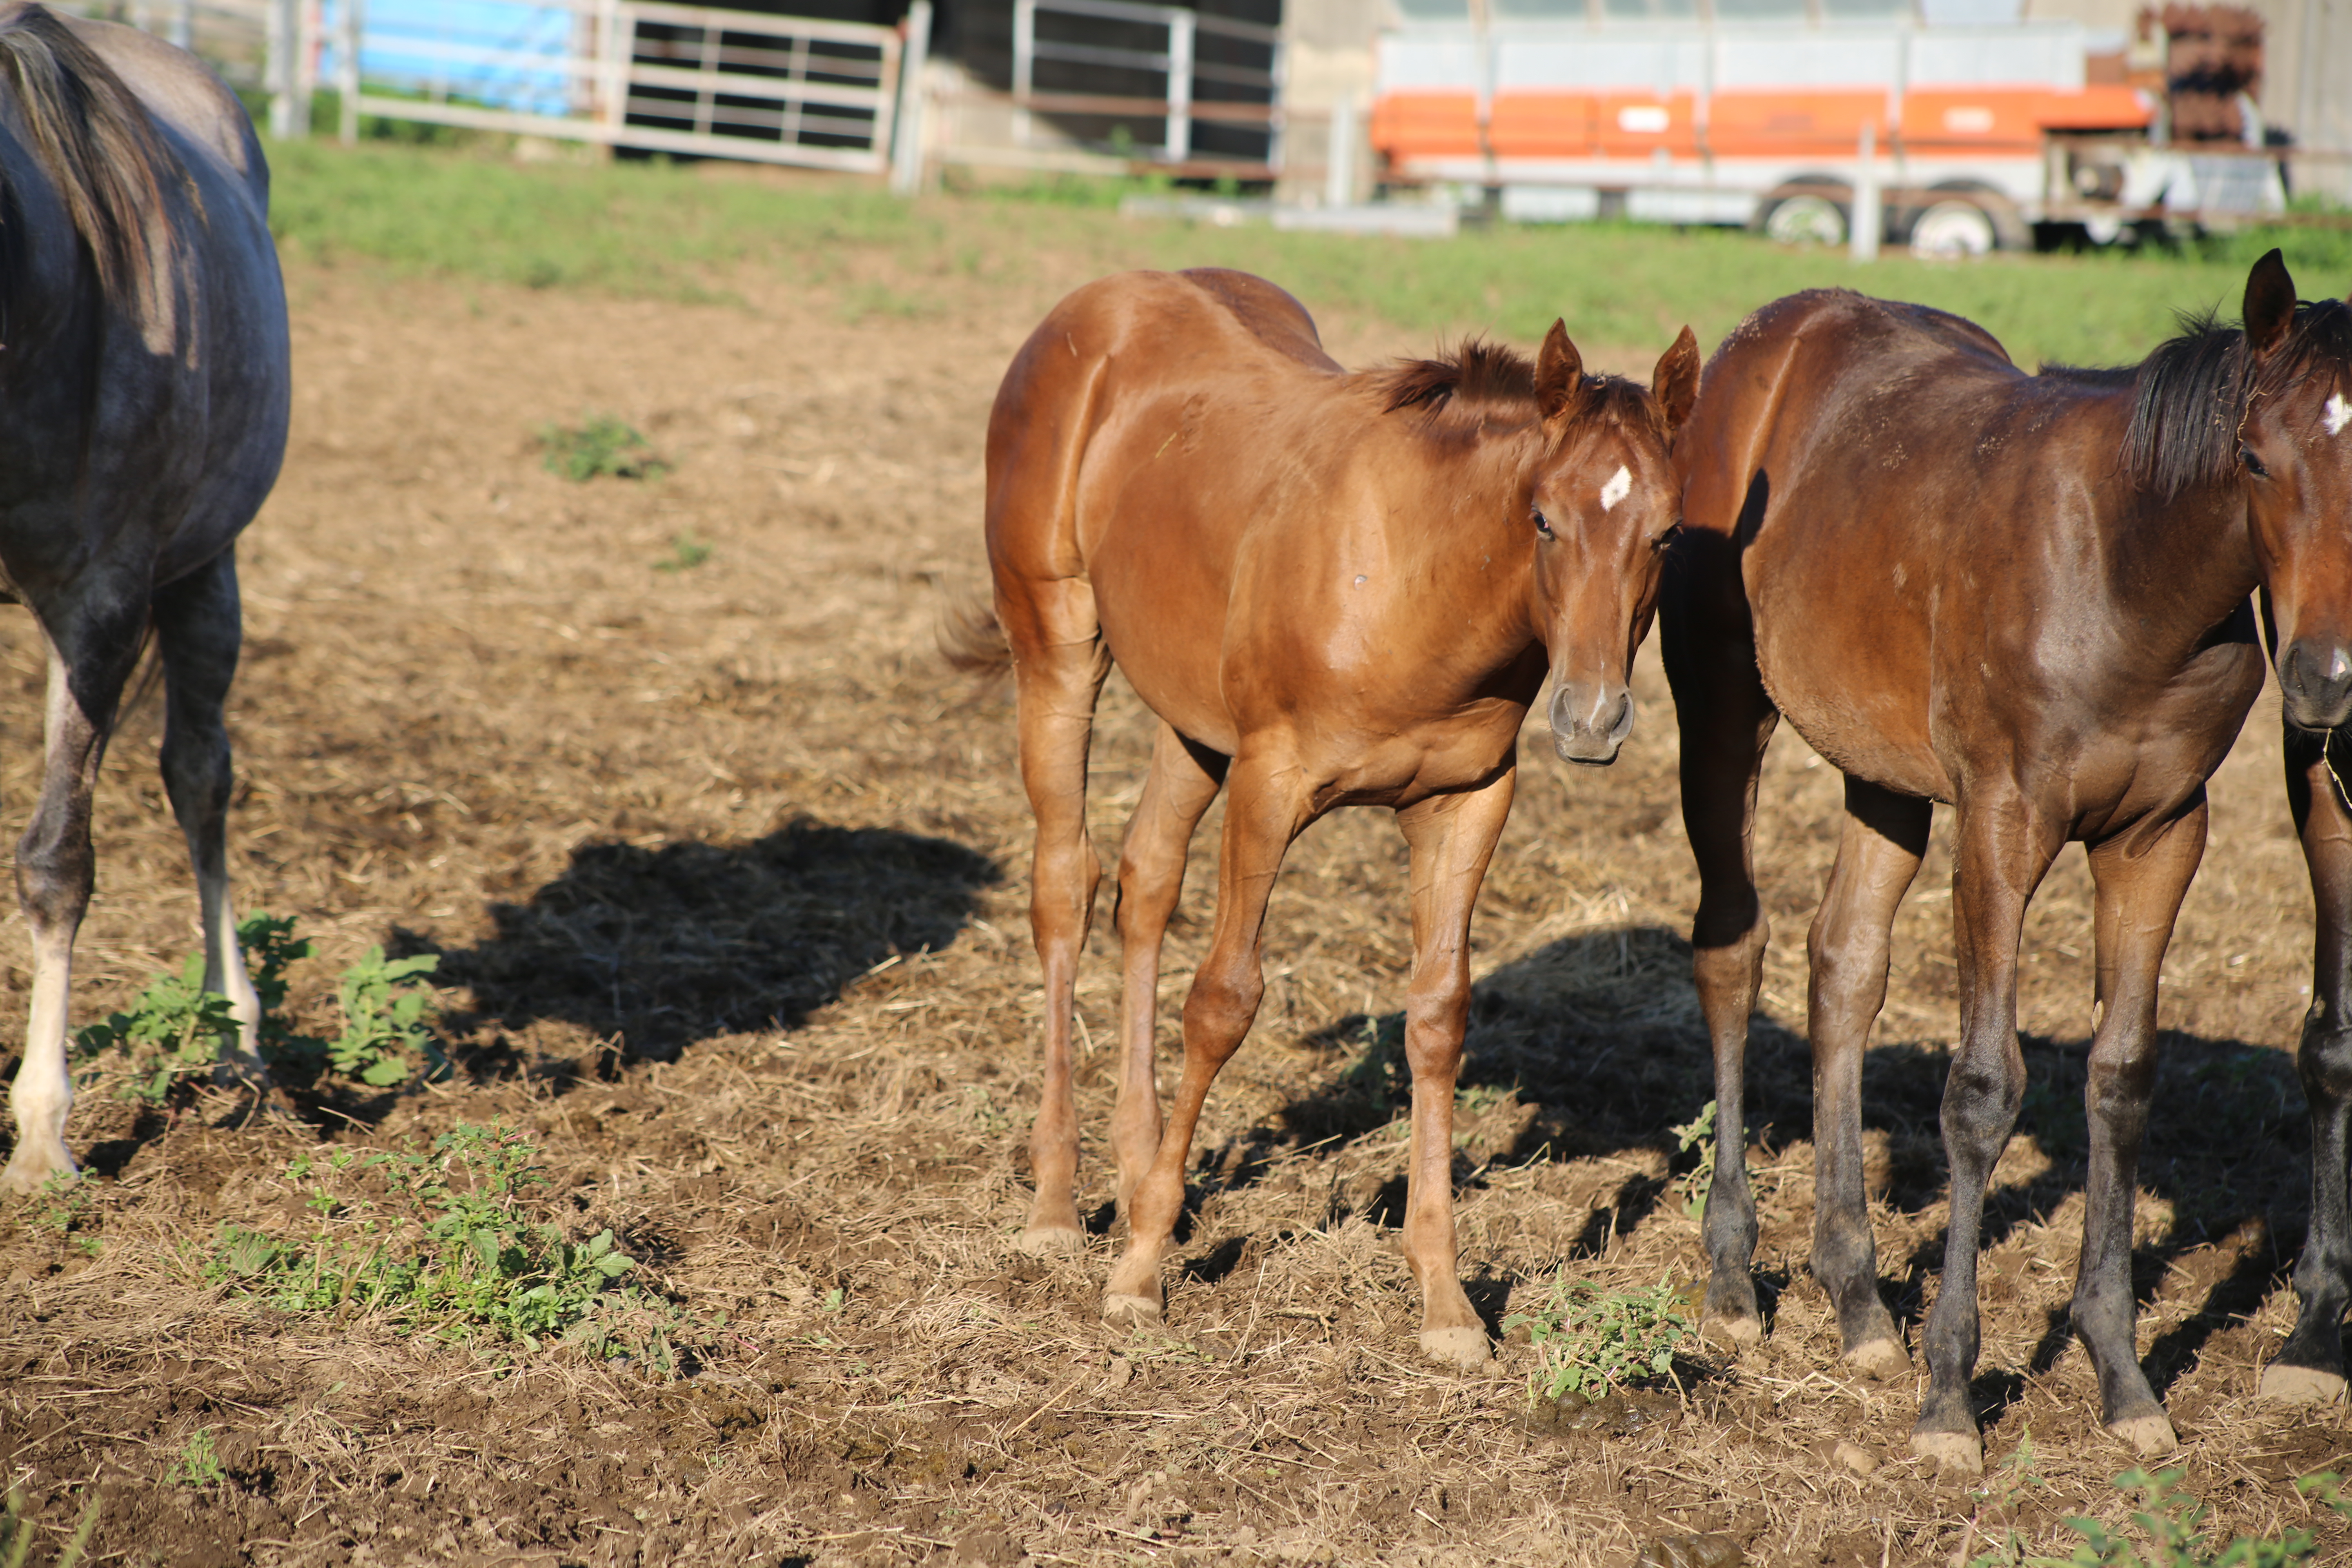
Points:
(1339, 157)
(181, 33)
(349, 26)
(1868, 218)
(277, 67)
(1178, 147)
(906, 155)
(1024, 66)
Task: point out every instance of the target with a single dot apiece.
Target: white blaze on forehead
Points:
(2339, 415)
(1621, 482)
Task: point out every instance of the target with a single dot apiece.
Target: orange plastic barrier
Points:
(1817, 122)
(1427, 125)
(1540, 125)
(1632, 124)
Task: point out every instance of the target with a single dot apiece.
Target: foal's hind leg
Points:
(197, 632)
(1184, 779)
(1452, 838)
(1726, 721)
(2310, 1366)
(1885, 834)
(1266, 807)
(1059, 665)
(93, 647)
(2141, 878)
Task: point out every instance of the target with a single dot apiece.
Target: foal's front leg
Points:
(1266, 807)
(1451, 838)
(2141, 878)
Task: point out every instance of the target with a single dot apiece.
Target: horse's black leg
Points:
(94, 641)
(1886, 834)
(2005, 848)
(2310, 1365)
(2142, 877)
(1726, 720)
(198, 630)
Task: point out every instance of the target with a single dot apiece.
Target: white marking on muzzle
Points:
(1621, 482)
(2339, 415)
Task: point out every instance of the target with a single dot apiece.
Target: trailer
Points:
(1960, 138)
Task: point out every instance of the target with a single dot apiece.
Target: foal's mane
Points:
(2190, 396)
(1482, 381)
(100, 148)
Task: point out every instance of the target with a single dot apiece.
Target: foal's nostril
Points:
(1590, 723)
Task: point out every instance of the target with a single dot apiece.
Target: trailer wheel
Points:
(1953, 229)
(1805, 218)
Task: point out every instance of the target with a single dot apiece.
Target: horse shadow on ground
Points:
(1601, 1034)
(655, 948)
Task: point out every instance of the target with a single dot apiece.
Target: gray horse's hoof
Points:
(1959, 1453)
(2285, 1385)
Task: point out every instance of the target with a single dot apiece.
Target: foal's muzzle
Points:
(1590, 721)
(2316, 684)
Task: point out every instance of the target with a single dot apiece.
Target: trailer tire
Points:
(1804, 217)
(2008, 225)
(1953, 229)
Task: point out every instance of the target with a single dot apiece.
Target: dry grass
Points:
(729, 876)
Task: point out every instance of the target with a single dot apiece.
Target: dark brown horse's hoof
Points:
(1960, 1453)
(2285, 1385)
(2150, 1436)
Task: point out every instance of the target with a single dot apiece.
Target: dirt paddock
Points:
(727, 878)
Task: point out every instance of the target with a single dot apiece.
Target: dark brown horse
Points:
(143, 391)
(1333, 590)
(2026, 596)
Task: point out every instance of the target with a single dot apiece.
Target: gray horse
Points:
(143, 393)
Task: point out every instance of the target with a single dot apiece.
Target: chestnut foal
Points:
(1333, 589)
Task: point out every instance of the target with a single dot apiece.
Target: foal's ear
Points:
(1675, 383)
(1560, 373)
(2270, 303)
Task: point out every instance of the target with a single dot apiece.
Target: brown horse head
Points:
(2269, 411)
(1603, 504)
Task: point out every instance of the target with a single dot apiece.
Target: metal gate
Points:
(636, 73)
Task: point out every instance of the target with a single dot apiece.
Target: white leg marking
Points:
(1614, 490)
(43, 1092)
(2339, 415)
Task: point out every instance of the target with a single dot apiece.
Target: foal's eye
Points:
(1668, 537)
(1543, 523)
(2254, 464)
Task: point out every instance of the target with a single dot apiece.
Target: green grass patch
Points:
(456, 1240)
(654, 230)
(603, 447)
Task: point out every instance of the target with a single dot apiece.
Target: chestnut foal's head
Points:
(2294, 456)
(1602, 504)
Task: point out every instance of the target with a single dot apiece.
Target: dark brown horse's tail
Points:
(972, 641)
(95, 139)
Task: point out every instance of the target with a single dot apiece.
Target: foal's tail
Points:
(972, 641)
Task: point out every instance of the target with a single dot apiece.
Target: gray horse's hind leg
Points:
(198, 631)
(92, 647)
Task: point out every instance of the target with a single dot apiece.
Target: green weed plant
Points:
(604, 447)
(1590, 1339)
(452, 1240)
(199, 1464)
(1698, 1133)
(18, 1533)
(2169, 1521)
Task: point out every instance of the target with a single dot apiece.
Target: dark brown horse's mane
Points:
(1483, 379)
(2189, 397)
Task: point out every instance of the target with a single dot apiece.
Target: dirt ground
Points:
(728, 878)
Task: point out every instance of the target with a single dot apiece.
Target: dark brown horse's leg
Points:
(1452, 838)
(1059, 666)
(92, 647)
(1182, 783)
(2310, 1365)
(1726, 721)
(2003, 852)
(197, 632)
(1265, 807)
(2142, 877)
(1885, 834)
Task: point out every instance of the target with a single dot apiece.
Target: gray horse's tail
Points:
(94, 137)
(972, 641)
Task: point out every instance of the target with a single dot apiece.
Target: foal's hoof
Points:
(30, 1169)
(1463, 1348)
(1960, 1452)
(1880, 1359)
(1123, 1311)
(1051, 1241)
(2285, 1385)
(2150, 1436)
(1737, 1331)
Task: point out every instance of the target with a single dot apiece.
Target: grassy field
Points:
(671, 233)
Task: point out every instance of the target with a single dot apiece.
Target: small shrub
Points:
(1589, 1339)
(200, 1464)
(173, 1032)
(2171, 1521)
(451, 1240)
(385, 1034)
(603, 447)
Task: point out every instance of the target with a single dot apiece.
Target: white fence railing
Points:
(1175, 59)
